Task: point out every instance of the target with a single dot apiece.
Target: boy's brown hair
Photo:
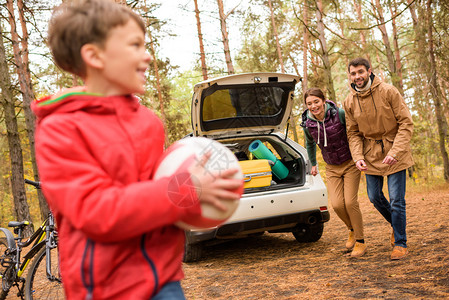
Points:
(314, 92)
(78, 22)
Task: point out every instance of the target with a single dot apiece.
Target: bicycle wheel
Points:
(4, 271)
(38, 285)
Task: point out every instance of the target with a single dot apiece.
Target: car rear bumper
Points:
(244, 228)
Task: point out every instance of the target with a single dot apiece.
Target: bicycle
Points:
(43, 280)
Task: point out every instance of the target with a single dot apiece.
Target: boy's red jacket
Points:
(96, 158)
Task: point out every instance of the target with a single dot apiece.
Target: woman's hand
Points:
(314, 170)
(361, 165)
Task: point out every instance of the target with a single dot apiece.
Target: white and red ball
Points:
(175, 163)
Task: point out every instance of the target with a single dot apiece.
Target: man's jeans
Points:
(394, 210)
(170, 291)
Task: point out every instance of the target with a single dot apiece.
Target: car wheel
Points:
(305, 233)
(193, 252)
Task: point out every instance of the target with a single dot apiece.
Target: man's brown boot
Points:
(351, 240)
(398, 253)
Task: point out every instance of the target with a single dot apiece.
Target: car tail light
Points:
(323, 208)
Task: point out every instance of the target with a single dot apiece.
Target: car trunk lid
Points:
(251, 103)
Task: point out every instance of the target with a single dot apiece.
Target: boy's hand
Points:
(214, 187)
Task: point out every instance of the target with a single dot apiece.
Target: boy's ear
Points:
(91, 55)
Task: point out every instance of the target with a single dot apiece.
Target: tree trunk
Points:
(21, 208)
(158, 78)
(276, 36)
(444, 87)
(435, 91)
(24, 42)
(388, 51)
(200, 38)
(413, 13)
(358, 8)
(420, 43)
(344, 43)
(314, 59)
(281, 62)
(324, 52)
(379, 61)
(305, 46)
(294, 64)
(422, 105)
(293, 119)
(26, 87)
(224, 33)
(397, 54)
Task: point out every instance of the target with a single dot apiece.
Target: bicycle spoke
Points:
(5, 270)
(38, 286)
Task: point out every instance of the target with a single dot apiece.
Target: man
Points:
(379, 128)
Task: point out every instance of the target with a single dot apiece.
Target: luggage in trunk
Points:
(257, 173)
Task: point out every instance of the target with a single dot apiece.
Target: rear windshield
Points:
(248, 102)
(254, 105)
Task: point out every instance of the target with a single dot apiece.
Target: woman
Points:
(324, 125)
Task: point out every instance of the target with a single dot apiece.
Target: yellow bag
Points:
(257, 173)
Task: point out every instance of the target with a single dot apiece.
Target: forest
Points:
(407, 42)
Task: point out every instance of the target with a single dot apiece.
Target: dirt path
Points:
(275, 266)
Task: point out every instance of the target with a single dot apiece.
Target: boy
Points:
(97, 150)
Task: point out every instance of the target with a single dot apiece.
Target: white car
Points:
(238, 111)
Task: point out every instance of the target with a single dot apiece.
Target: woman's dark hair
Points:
(359, 61)
(314, 92)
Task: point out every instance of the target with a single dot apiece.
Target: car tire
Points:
(192, 252)
(305, 233)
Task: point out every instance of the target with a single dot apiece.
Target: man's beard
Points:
(365, 82)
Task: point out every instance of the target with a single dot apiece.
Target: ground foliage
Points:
(254, 50)
(275, 266)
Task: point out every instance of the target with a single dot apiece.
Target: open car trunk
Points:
(291, 158)
(242, 109)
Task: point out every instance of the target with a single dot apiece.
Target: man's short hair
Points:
(359, 61)
(79, 22)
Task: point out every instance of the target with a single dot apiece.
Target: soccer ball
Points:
(176, 161)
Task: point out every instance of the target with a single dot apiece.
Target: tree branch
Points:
(232, 10)
(303, 23)
(392, 18)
